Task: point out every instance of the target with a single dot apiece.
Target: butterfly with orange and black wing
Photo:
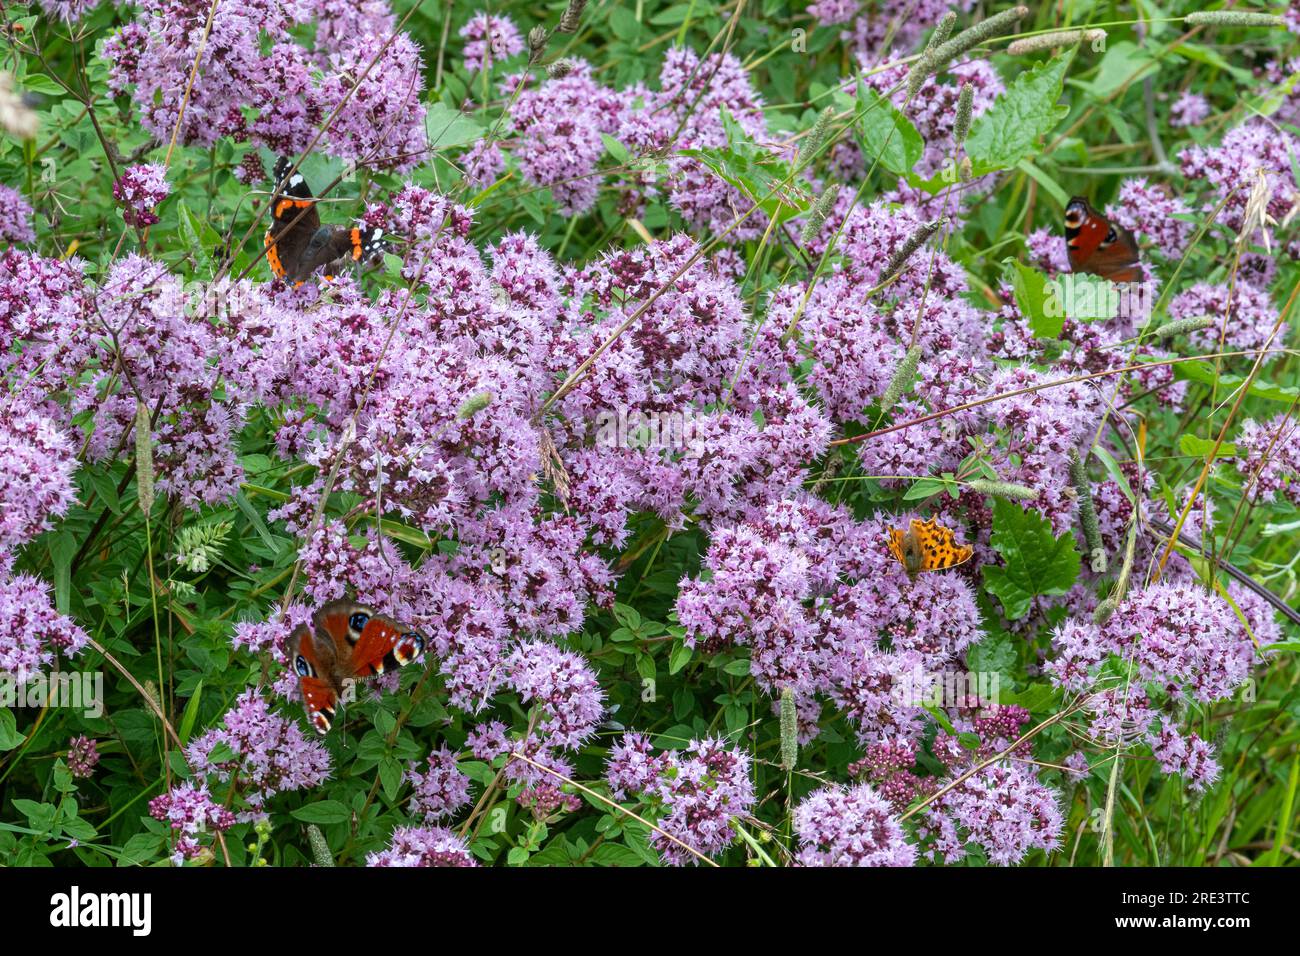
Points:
(297, 244)
(927, 546)
(346, 642)
(1098, 246)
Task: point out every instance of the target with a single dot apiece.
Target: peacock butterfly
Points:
(345, 642)
(1097, 245)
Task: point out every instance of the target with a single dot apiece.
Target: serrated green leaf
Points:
(1036, 562)
(1009, 130)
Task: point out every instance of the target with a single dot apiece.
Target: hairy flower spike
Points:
(903, 376)
(1234, 18)
(1184, 326)
(816, 136)
(972, 37)
(789, 730)
(1048, 41)
(919, 237)
(925, 64)
(965, 105)
(144, 473)
(16, 117)
(320, 850)
(473, 405)
(1002, 489)
(817, 215)
(1087, 513)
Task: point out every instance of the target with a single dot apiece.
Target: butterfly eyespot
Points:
(416, 639)
(358, 621)
(302, 667)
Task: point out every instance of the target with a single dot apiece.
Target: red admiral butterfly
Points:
(1097, 245)
(295, 250)
(345, 642)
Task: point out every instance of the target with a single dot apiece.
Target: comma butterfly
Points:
(927, 546)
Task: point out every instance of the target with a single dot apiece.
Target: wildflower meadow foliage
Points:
(767, 480)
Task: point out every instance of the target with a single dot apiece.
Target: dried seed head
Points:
(572, 18)
(560, 69)
(537, 38)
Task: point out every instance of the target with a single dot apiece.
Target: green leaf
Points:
(1203, 447)
(390, 774)
(140, 848)
(1203, 372)
(629, 617)
(1036, 562)
(323, 811)
(679, 658)
(924, 488)
(191, 713)
(1122, 61)
(615, 148)
(1008, 131)
(39, 83)
(1113, 469)
(1049, 184)
(886, 133)
(9, 735)
(995, 654)
(624, 24)
(449, 128)
(1037, 299)
(39, 815)
(615, 854)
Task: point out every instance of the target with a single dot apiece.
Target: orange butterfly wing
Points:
(896, 545)
(934, 545)
(939, 548)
